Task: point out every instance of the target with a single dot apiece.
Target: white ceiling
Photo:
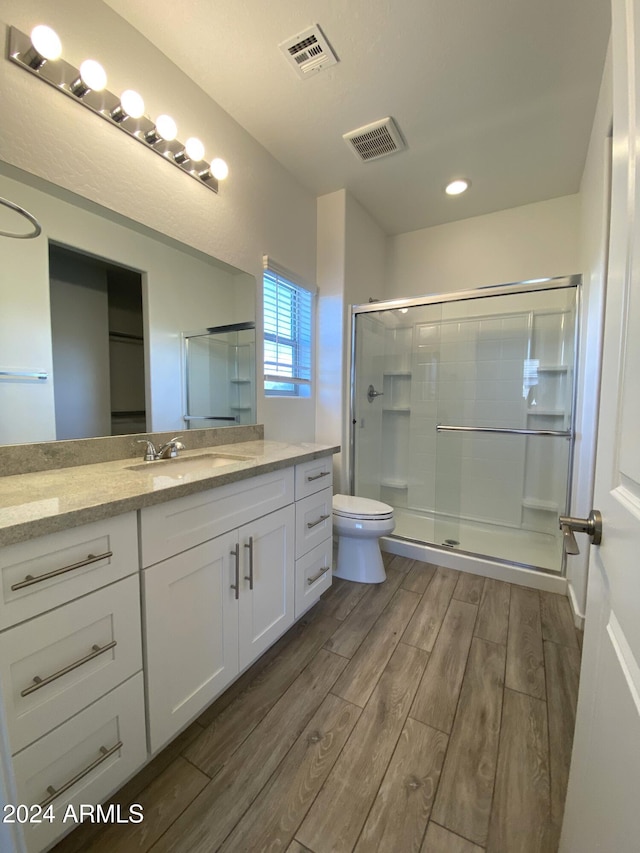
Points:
(502, 92)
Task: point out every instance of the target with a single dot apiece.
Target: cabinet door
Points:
(267, 581)
(192, 633)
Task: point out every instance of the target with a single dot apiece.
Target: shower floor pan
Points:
(522, 547)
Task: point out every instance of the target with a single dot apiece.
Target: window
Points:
(287, 335)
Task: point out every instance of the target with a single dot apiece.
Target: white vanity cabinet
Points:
(71, 667)
(213, 608)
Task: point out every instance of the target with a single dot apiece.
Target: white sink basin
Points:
(187, 464)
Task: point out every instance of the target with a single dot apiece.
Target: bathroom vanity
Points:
(133, 594)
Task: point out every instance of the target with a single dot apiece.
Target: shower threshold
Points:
(525, 548)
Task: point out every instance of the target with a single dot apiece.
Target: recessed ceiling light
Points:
(457, 187)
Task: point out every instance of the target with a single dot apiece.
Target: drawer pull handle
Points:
(104, 754)
(236, 553)
(42, 682)
(322, 518)
(249, 577)
(318, 476)
(319, 575)
(30, 580)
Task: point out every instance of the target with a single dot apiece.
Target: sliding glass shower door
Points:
(463, 412)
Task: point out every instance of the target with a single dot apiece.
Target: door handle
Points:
(249, 577)
(236, 553)
(592, 526)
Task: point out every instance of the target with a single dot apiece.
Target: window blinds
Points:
(287, 336)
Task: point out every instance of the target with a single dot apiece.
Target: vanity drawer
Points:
(313, 476)
(313, 521)
(175, 526)
(86, 759)
(43, 573)
(77, 653)
(313, 575)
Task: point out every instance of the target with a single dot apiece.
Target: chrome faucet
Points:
(167, 451)
(171, 448)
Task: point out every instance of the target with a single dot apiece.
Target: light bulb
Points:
(46, 42)
(457, 187)
(194, 148)
(166, 128)
(132, 103)
(219, 169)
(92, 76)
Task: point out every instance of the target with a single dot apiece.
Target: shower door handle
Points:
(372, 393)
(592, 526)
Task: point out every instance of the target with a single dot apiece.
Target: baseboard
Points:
(578, 616)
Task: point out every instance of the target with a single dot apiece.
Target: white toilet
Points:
(359, 523)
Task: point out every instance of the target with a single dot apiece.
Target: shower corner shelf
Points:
(538, 503)
(397, 409)
(553, 368)
(400, 373)
(553, 413)
(394, 484)
(241, 382)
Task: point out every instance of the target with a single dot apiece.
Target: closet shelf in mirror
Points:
(241, 382)
(125, 336)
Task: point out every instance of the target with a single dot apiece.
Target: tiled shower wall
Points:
(479, 365)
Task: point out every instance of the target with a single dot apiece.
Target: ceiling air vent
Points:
(308, 52)
(375, 140)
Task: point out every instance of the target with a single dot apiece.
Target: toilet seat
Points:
(351, 506)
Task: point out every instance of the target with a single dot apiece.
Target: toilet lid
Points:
(351, 506)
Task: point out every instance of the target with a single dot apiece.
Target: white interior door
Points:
(602, 813)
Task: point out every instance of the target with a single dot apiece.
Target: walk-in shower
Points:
(462, 417)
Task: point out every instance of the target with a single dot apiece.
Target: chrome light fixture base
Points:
(63, 76)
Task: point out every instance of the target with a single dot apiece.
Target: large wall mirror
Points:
(94, 318)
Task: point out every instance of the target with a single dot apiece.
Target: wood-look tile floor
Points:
(432, 713)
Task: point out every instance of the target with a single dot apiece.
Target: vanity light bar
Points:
(65, 78)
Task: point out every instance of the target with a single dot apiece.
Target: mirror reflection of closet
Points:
(98, 346)
(220, 376)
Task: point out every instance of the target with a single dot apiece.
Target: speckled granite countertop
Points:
(47, 501)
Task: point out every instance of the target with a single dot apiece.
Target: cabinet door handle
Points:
(30, 580)
(42, 682)
(236, 553)
(317, 476)
(104, 754)
(249, 577)
(322, 518)
(319, 575)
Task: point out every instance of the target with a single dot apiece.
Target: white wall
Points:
(260, 209)
(351, 253)
(533, 241)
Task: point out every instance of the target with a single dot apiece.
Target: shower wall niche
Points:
(469, 433)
